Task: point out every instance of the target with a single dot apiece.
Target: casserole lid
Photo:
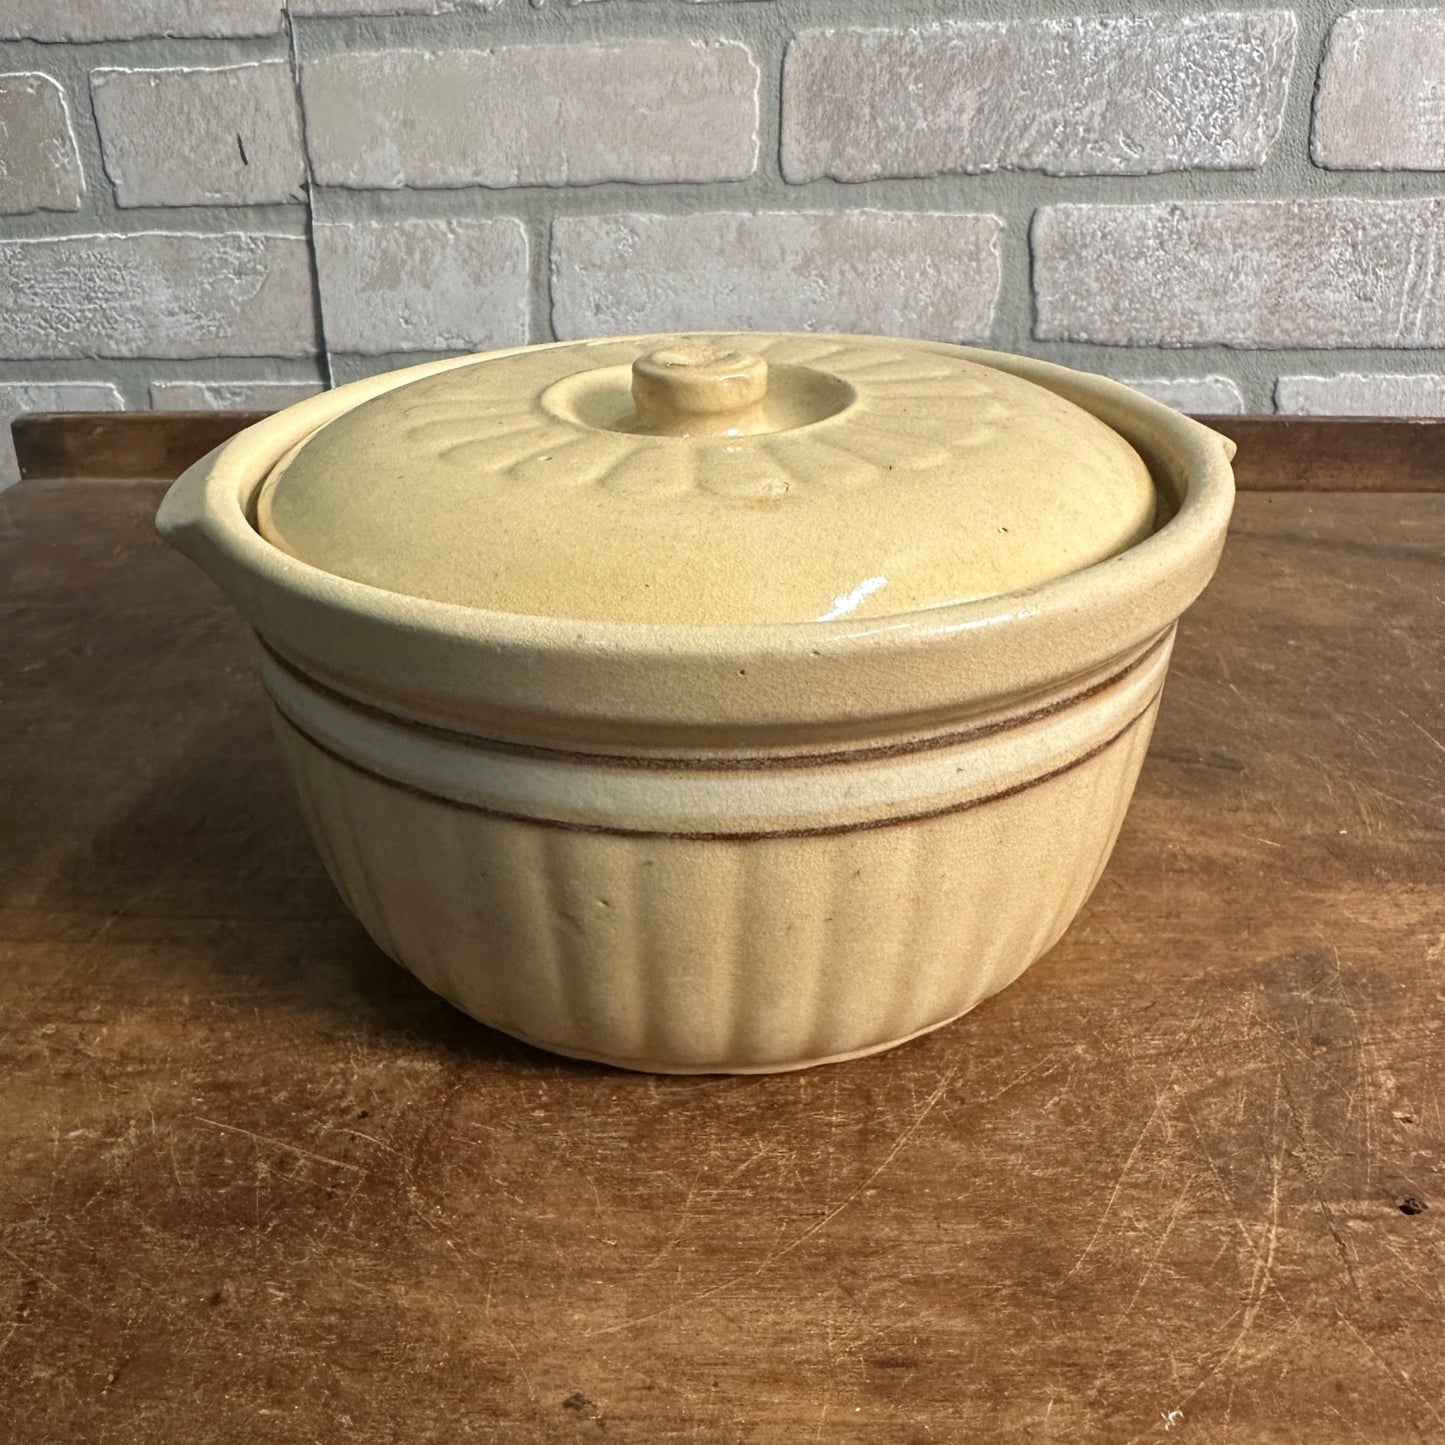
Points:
(710, 479)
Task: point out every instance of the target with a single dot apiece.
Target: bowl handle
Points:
(181, 517)
(1227, 445)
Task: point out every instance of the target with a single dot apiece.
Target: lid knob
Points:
(696, 389)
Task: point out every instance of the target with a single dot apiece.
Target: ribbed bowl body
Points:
(675, 915)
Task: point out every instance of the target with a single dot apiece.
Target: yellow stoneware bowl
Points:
(720, 702)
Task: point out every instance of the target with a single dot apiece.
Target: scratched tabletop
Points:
(1183, 1180)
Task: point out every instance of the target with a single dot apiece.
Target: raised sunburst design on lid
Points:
(716, 478)
(821, 414)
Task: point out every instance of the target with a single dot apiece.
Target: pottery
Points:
(723, 703)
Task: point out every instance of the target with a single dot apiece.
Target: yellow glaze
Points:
(703, 843)
(713, 479)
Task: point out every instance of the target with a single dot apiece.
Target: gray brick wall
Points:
(211, 201)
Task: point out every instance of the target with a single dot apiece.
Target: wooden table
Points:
(1184, 1179)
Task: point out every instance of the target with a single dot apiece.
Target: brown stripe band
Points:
(743, 762)
(706, 837)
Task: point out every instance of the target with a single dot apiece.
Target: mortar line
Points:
(318, 311)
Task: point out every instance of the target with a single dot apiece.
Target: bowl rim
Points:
(1080, 619)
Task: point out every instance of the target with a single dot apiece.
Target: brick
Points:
(1197, 395)
(241, 126)
(1077, 96)
(309, 8)
(157, 294)
(346, 368)
(903, 272)
(543, 115)
(1353, 394)
(19, 397)
(422, 285)
(1242, 273)
(230, 395)
(39, 163)
(1381, 97)
(133, 19)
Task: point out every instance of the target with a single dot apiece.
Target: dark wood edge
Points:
(1276, 453)
(1335, 453)
(123, 445)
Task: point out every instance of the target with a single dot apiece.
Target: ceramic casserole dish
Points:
(725, 702)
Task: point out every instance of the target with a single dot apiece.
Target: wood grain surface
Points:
(1181, 1182)
(1277, 453)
